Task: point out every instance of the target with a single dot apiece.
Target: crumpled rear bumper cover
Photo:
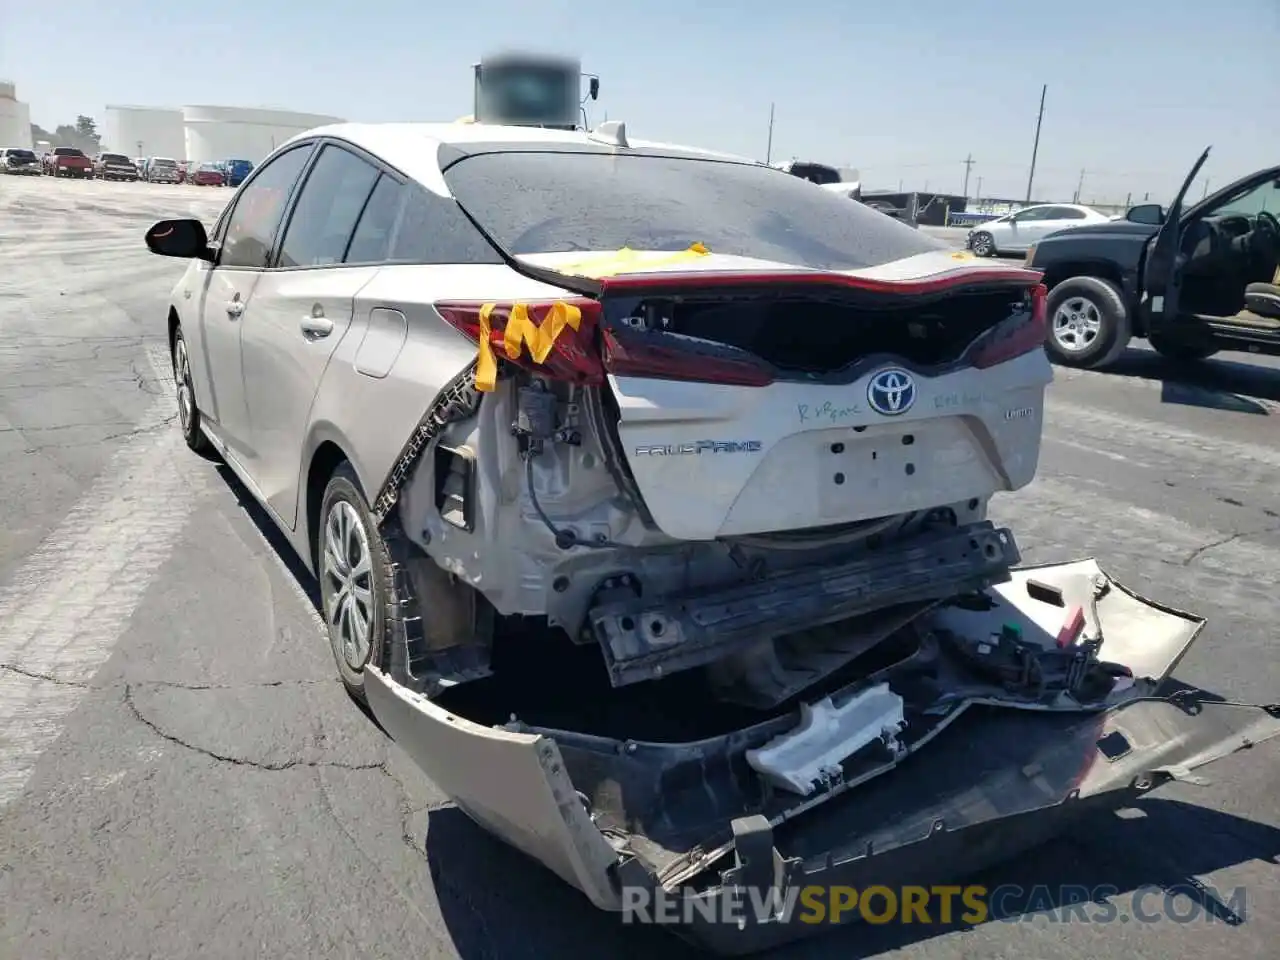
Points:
(929, 824)
(931, 821)
(994, 781)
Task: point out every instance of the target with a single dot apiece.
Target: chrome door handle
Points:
(234, 309)
(313, 328)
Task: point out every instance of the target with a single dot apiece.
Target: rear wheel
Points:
(1089, 323)
(353, 565)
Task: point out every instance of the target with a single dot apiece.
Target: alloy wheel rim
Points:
(1077, 323)
(185, 393)
(347, 576)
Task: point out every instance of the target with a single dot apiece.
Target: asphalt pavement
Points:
(181, 774)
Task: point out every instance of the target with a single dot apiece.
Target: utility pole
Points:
(1036, 148)
(1079, 188)
(1206, 188)
(768, 150)
(968, 165)
(978, 197)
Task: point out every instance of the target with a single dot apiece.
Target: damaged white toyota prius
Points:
(647, 489)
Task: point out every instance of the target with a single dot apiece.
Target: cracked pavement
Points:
(190, 780)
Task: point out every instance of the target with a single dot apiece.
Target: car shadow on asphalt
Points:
(1214, 384)
(307, 584)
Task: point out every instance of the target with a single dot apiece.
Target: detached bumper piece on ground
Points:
(968, 731)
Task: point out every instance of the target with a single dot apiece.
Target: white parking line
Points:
(73, 597)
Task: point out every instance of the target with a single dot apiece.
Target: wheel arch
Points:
(174, 323)
(329, 449)
(1056, 273)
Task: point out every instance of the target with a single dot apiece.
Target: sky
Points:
(903, 91)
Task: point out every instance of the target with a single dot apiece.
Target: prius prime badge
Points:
(891, 392)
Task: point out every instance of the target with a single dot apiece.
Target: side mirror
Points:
(594, 88)
(1148, 213)
(185, 239)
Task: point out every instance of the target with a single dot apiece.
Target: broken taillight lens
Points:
(573, 356)
(584, 354)
(1014, 337)
(660, 357)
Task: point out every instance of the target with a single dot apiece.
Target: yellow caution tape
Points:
(626, 260)
(522, 331)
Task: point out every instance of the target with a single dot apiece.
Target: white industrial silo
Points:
(144, 132)
(237, 133)
(15, 118)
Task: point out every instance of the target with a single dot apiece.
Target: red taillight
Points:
(554, 338)
(632, 355)
(1006, 342)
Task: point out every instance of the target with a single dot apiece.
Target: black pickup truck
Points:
(1192, 282)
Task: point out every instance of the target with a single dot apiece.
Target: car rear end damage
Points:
(926, 767)
(694, 556)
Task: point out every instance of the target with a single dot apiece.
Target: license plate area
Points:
(896, 466)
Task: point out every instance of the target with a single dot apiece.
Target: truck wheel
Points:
(353, 566)
(1180, 351)
(984, 245)
(1089, 324)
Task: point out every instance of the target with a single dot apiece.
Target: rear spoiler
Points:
(672, 281)
(607, 273)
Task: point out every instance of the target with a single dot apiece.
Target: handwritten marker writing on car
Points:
(521, 331)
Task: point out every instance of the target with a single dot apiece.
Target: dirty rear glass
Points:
(559, 202)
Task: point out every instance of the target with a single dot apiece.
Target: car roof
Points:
(415, 148)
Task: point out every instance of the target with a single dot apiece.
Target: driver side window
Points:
(1264, 198)
(253, 223)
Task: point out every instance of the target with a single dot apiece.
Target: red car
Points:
(205, 175)
(68, 162)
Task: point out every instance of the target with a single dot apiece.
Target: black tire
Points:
(188, 412)
(1180, 351)
(1089, 323)
(344, 502)
(983, 244)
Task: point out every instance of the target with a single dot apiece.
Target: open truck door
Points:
(1162, 283)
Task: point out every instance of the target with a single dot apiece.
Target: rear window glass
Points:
(67, 152)
(559, 202)
(163, 163)
(21, 154)
(115, 158)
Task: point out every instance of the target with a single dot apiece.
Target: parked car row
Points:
(72, 162)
